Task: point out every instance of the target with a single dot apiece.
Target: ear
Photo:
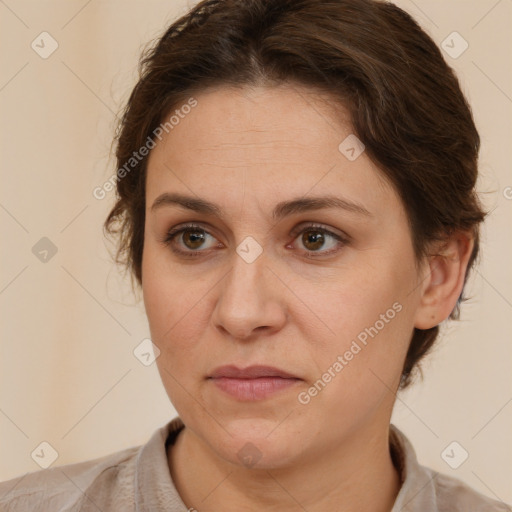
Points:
(446, 270)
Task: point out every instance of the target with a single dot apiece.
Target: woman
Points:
(296, 200)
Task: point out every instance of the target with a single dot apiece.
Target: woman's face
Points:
(255, 284)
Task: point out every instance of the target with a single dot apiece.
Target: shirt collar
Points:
(155, 490)
(418, 491)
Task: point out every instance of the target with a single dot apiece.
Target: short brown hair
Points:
(405, 103)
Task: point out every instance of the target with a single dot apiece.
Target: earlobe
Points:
(444, 281)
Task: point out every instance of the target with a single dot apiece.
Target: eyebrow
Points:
(281, 210)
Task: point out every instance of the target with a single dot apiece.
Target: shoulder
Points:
(64, 488)
(426, 489)
(453, 495)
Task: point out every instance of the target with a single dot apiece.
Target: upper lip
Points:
(251, 372)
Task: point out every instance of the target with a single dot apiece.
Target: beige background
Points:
(68, 375)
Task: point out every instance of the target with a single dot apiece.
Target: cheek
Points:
(358, 370)
(354, 302)
(176, 308)
(370, 318)
(165, 295)
(173, 322)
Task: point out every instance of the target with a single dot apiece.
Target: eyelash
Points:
(173, 233)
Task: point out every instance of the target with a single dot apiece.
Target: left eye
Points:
(312, 237)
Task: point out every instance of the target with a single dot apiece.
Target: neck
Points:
(357, 475)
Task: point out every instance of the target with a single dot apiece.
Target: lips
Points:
(252, 372)
(252, 383)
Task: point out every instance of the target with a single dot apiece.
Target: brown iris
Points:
(317, 238)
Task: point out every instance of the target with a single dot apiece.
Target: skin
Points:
(246, 150)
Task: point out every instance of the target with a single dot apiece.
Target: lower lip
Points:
(253, 389)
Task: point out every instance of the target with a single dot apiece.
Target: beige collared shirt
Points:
(138, 479)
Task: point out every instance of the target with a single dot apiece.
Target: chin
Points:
(257, 443)
(258, 453)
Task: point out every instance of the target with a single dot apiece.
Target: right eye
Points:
(190, 236)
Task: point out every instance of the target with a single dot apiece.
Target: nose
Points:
(250, 301)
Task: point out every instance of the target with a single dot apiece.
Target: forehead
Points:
(262, 141)
(228, 118)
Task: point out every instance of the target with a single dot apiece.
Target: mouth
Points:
(252, 383)
(252, 372)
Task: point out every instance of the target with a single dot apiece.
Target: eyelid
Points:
(341, 235)
(171, 234)
(342, 239)
(188, 225)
